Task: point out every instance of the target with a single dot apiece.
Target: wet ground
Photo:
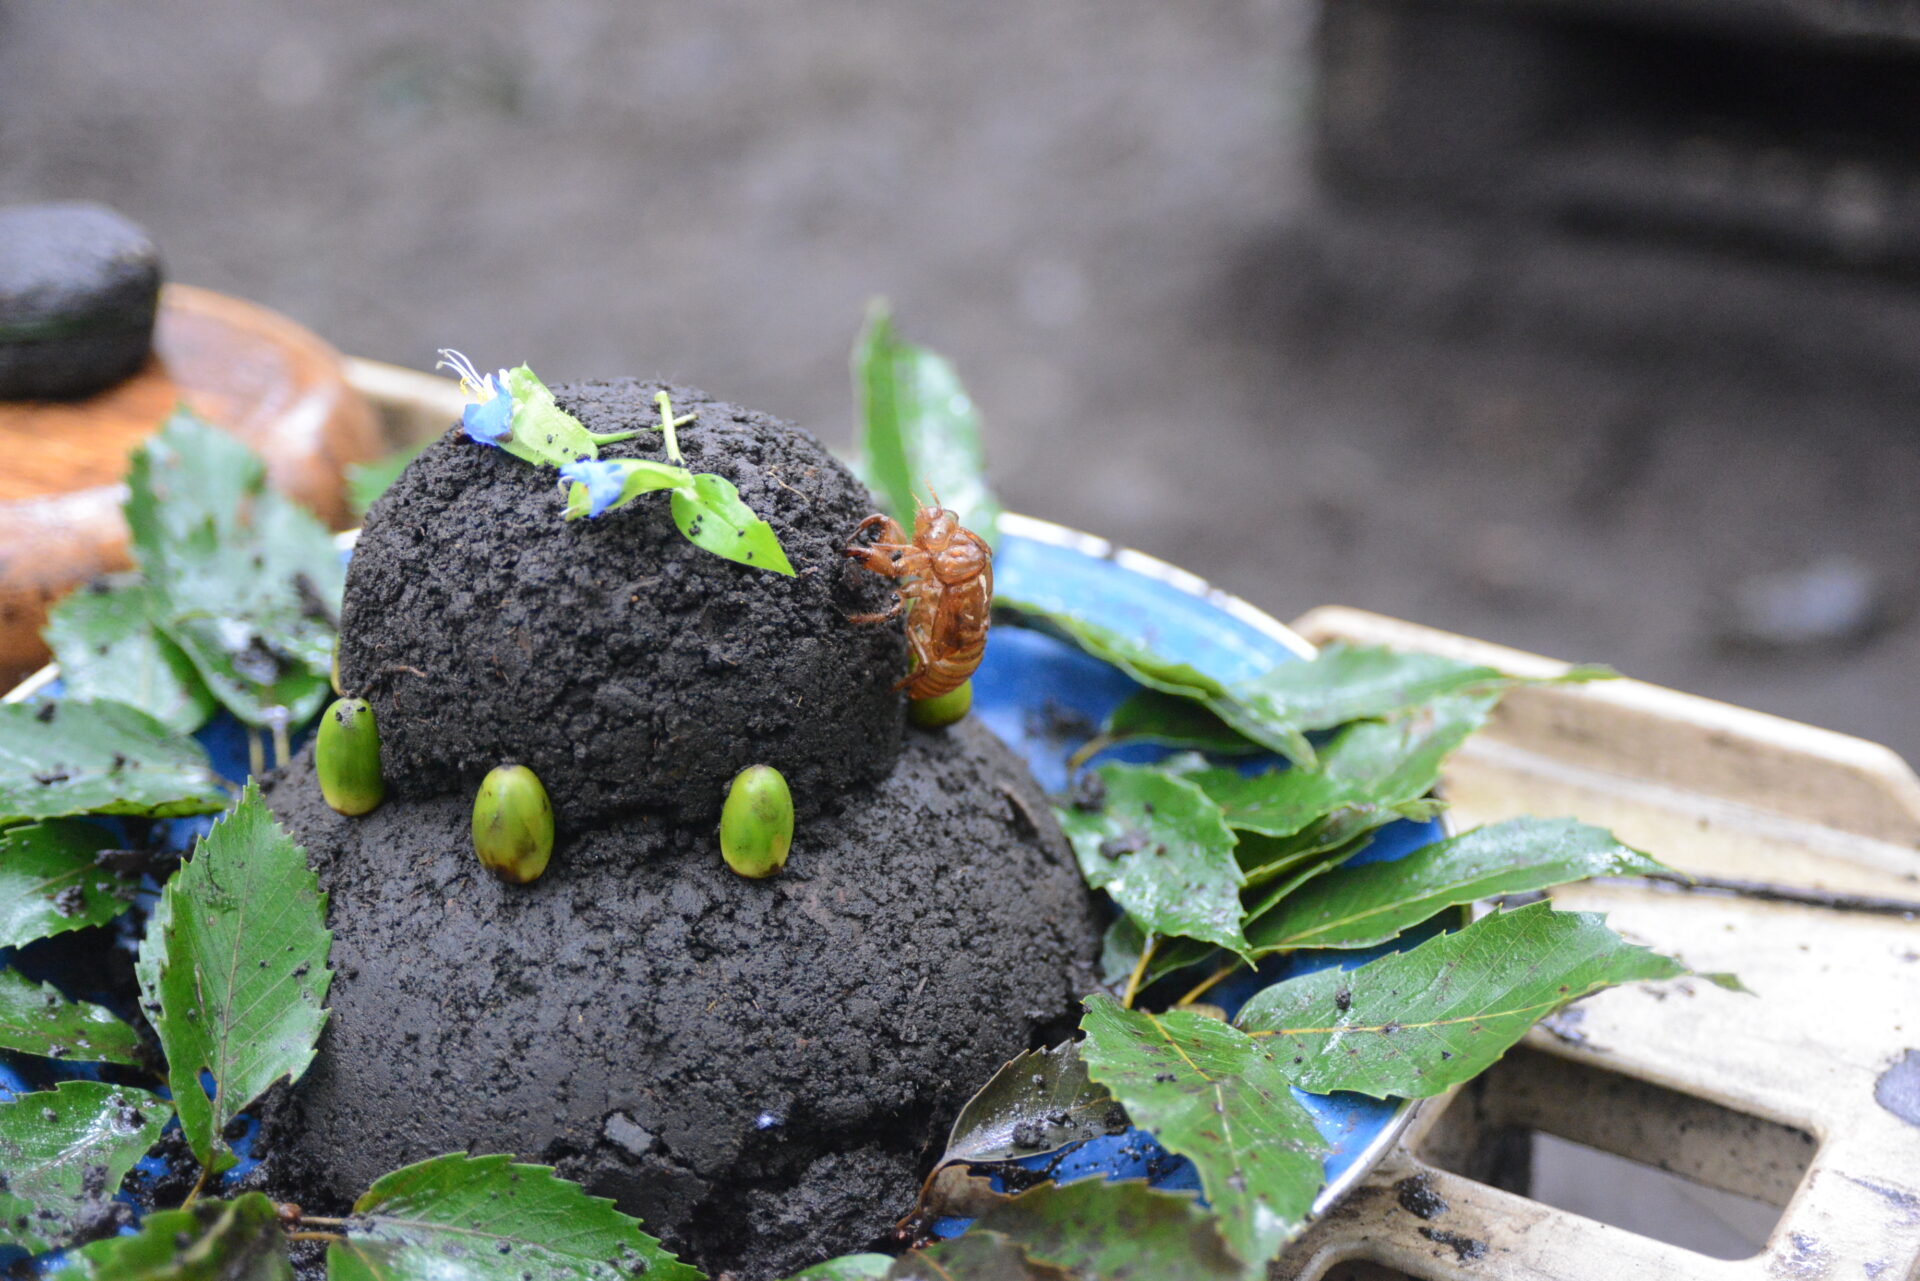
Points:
(1098, 215)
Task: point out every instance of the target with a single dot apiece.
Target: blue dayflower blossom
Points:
(489, 420)
(604, 481)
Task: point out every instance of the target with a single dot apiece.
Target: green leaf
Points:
(367, 481)
(975, 1256)
(1372, 772)
(1213, 1094)
(236, 959)
(50, 1140)
(1039, 1102)
(1150, 716)
(712, 516)
(1116, 1232)
(36, 1019)
(1120, 953)
(238, 1240)
(1415, 1023)
(918, 430)
(99, 758)
(1159, 847)
(110, 651)
(485, 1218)
(1134, 657)
(49, 883)
(637, 476)
(245, 581)
(848, 1267)
(544, 433)
(1362, 906)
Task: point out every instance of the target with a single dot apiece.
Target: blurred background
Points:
(1591, 328)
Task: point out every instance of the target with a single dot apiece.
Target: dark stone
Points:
(762, 1070)
(79, 287)
(624, 666)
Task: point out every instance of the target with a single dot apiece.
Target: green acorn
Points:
(346, 755)
(942, 710)
(756, 824)
(513, 824)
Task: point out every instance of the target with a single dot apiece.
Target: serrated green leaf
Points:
(1037, 1103)
(238, 1240)
(1362, 906)
(1415, 1023)
(1374, 771)
(1159, 847)
(236, 959)
(918, 430)
(712, 517)
(975, 1256)
(50, 1139)
(99, 758)
(1133, 656)
(36, 1019)
(49, 882)
(1214, 1095)
(367, 481)
(848, 1267)
(1116, 1232)
(1276, 889)
(244, 580)
(110, 650)
(1150, 716)
(637, 476)
(1120, 953)
(485, 1218)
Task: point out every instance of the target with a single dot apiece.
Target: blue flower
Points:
(491, 421)
(604, 481)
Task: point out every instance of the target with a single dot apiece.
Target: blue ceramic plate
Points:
(1043, 697)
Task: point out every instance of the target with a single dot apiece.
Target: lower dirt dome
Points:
(761, 1070)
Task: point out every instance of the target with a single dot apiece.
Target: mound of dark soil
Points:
(626, 667)
(762, 1070)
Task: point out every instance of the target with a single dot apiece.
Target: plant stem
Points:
(1088, 750)
(668, 422)
(277, 718)
(1139, 971)
(316, 1236)
(256, 752)
(198, 1185)
(321, 1218)
(1201, 988)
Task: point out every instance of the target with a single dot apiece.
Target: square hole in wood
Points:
(1609, 1147)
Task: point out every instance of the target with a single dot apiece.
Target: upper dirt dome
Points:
(626, 667)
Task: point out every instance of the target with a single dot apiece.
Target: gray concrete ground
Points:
(1094, 209)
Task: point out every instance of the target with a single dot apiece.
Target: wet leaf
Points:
(1160, 848)
(1149, 716)
(236, 958)
(238, 1240)
(1346, 683)
(974, 1256)
(49, 883)
(1373, 772)
(1134, 657)
(544, 433)
(1362, 906)
(918, 430)
(1116, 1232)
(99, 758)
(712, 517)
(1039, 1102)
(848, 1267)
(51, 1139)
(1414, 1023)
(36, 1019)
(487, 1218)
(1210, 1093)
(245, 581)
(110, 650)
(367, 481)
(1120, 953)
